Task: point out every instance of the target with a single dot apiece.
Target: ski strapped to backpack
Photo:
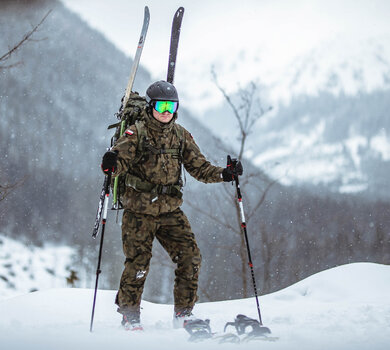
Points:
(130, 112)
(129, 88)
(175, 36)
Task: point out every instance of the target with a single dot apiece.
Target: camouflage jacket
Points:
(161, 168)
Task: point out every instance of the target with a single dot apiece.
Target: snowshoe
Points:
(241, 322)
(198, 329)
(228, 338)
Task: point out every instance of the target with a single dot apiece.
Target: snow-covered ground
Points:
(347, 307)
(25, 269)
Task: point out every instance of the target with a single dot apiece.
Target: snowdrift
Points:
(347, 307)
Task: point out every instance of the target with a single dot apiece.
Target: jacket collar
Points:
(155, 125)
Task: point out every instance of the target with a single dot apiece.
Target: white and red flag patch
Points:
(129, 132)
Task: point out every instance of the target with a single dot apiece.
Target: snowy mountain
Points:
(55, 108)
(325, 64)
(333, 124)
(330, 123)
(54, 111)
(344, 308)
(345, 65)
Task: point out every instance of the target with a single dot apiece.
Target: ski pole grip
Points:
(229, 160)
(232, 163)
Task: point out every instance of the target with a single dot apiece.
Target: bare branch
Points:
(6, 189)
(213, 218)
(205, 293)
(247, 110)
(26, 37)
(228, 99)
(262, 198)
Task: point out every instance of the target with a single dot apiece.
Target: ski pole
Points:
(232, 163)
(106, 191)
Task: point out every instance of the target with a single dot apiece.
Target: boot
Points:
(131, 322)
(182, 316)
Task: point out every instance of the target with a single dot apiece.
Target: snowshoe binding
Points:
(198, 329)
(242, 322)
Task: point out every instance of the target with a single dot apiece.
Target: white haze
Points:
(245, 40)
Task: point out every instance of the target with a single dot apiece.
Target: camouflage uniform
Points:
(149, 214)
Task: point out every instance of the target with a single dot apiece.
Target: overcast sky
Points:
(228, 32)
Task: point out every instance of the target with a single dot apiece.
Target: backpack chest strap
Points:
(148, 148)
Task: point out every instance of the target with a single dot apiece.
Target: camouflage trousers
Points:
(174, 233)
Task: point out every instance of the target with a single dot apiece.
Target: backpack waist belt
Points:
(144, 186)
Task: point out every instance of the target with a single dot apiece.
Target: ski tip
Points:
(146, 12)
(180, 11)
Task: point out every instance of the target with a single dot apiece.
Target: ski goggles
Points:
(165, 106)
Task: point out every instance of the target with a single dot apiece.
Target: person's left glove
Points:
(232, 170)
(109, 161)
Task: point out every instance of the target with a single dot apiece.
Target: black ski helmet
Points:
(162, 91)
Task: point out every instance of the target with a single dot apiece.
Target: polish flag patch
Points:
(129, 132)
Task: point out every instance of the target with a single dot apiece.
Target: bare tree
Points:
(247, 110)
(27, 37)
(6, 188)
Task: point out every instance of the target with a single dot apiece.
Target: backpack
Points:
(128, 115)
(131, 114)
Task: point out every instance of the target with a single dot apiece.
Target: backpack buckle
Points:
(165, 189)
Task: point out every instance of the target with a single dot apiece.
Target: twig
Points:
(5, 190)
(26, 37)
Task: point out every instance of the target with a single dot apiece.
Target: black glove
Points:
(109, 161)
(233, 169)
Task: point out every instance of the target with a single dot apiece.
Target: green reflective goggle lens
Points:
(163, 106)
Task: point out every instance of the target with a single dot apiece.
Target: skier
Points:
(151, 155)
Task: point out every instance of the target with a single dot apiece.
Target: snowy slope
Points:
(330, 119)
(25, 269)
(347, 307)
(331, 123)
(343, 65)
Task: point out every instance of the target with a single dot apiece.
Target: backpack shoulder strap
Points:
(142, 137)
(141, 131)
(180, 134)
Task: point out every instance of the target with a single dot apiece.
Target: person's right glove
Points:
(109, 161)
(232, 170)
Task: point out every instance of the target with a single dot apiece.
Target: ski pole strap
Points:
(144, 186)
